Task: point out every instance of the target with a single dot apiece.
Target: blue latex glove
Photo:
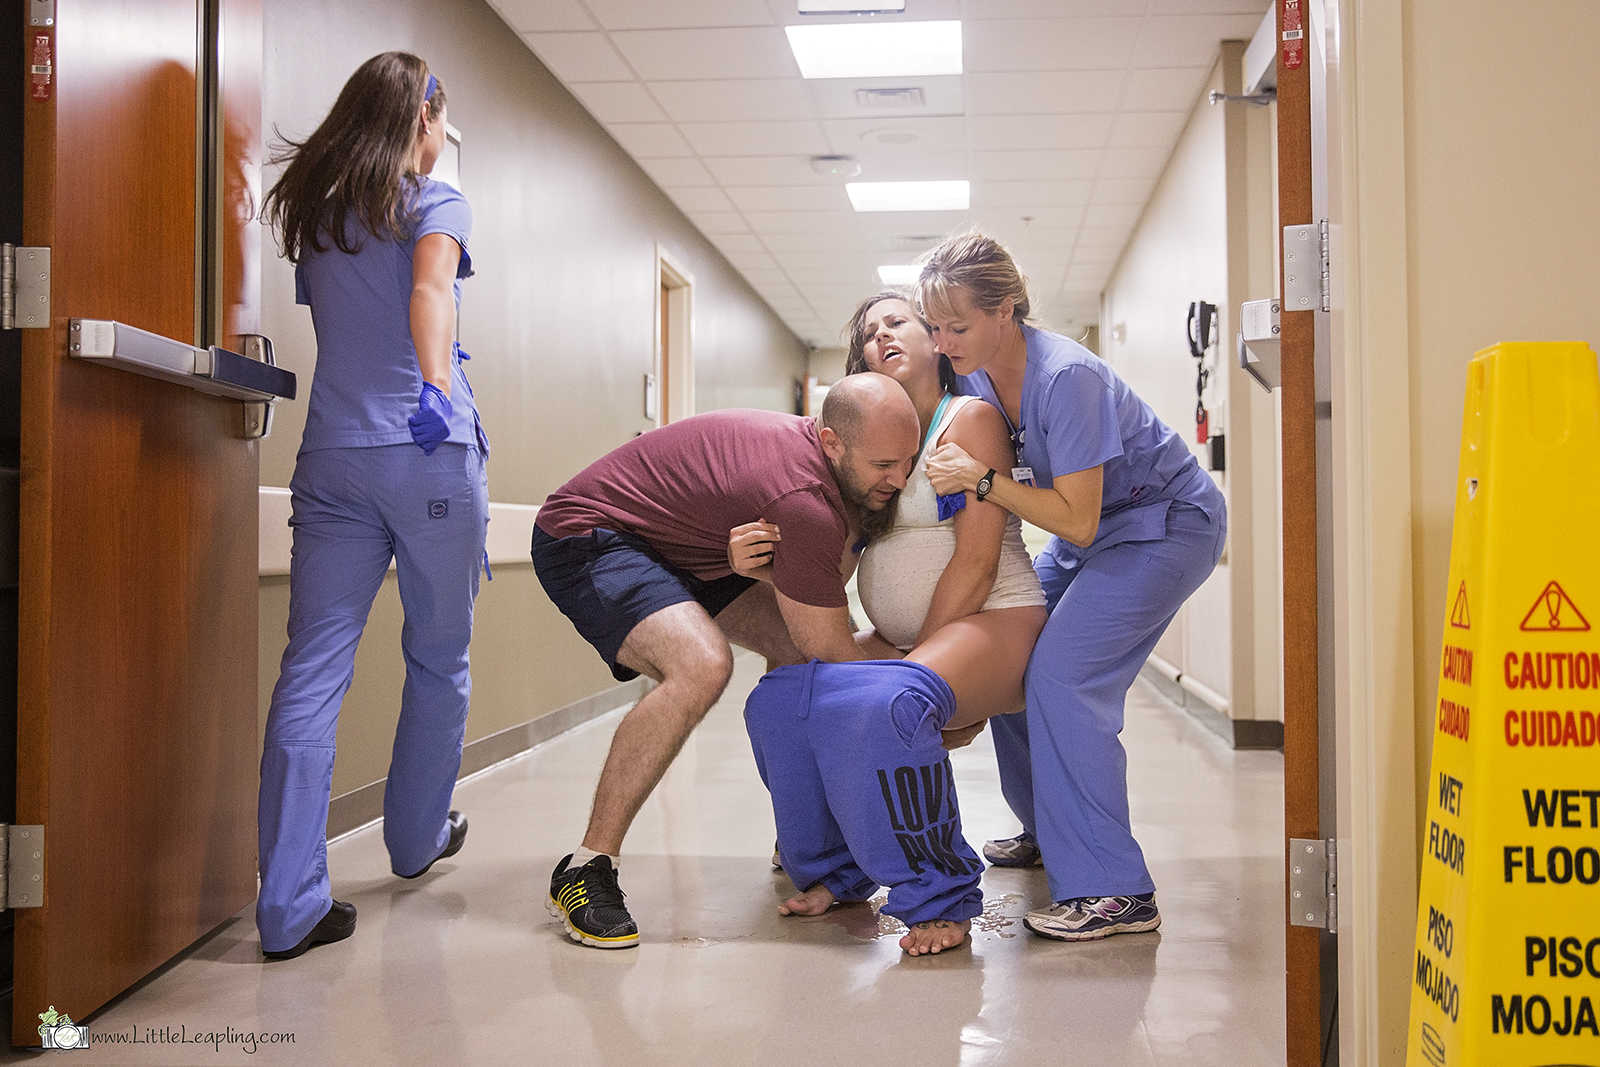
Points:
(950, 503)
(430, 424)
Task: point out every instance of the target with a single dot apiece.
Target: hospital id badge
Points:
(1022, 475)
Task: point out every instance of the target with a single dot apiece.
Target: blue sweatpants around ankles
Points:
(1106, 614)
(861, 785)
(354, 509)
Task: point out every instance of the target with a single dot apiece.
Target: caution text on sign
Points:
(1506, 967)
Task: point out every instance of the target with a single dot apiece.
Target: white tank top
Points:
(900, 570)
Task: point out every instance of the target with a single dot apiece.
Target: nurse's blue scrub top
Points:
(367, 379)
(1076, 414)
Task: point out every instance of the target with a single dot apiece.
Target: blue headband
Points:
(433, 87)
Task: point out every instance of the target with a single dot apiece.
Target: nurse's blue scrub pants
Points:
(353, 509)
(1062, 766)
(861, 785)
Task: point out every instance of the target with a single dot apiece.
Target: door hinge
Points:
(24, 287)
(1313, 883)
(21, 866)
(1307, 279)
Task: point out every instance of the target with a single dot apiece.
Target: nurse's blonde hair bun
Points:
(977, 263)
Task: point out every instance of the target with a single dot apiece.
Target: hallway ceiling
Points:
(1062, 121)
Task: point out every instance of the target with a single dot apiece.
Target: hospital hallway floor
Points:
(464, 965)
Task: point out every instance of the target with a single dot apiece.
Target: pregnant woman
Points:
(853, 753)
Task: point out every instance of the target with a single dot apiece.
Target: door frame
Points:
(674, 368)
(1375, 674)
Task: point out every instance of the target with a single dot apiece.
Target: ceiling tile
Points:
(760, 277)
(785, 12)
(618, 102)
(684, 55)
(645, 139)
(701, 198)
(737, 242)
(1026, 9)
(789, 198)
(714, 224)
(1122, 190)
(1147, 129)
(911, 134)
(1134, 162)
(1009, 218)
(767, 170)
(1189, 40)
(775, 222)
(727, 101)
(835, 98)
(1030, 193)
(1164, 89)
(830, 240)
(1036, 235)
(1022, 165)
(1111, 215)
(671, 172)
(579, 57)
(1209, 7)
(1086, 277)
(1113, 237)
(1050, 44)
(1095, 257)
(652, 14)
(535, 16)
(755, 138)
(1029, 92)
(755, 261)
(1040, 131)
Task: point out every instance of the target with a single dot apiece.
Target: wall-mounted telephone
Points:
(1201, 315)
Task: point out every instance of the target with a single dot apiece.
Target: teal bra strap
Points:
(933, 427)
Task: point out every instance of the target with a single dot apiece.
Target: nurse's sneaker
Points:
(1019, 851)
(588, 901)
(1091, 918)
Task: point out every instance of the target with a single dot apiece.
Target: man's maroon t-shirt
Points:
(684, 486)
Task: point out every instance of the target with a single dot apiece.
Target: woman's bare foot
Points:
(814, 901)
(934, 936)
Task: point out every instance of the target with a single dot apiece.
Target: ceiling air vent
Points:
(895, 98)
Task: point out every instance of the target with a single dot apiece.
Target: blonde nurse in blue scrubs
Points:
(1137, 527)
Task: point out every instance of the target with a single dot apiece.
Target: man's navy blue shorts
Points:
(607, 582)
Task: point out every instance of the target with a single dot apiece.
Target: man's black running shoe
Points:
(588, 902)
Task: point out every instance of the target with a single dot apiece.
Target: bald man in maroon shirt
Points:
(634, 551)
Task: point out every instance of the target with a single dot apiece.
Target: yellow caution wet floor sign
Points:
(1507, 963)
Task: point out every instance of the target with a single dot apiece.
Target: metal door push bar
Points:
(253, 377)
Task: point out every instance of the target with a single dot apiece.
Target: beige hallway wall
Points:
(560, 321)
(1194, 242)
(1502, 154)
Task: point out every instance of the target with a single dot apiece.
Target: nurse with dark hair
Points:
(391, 467)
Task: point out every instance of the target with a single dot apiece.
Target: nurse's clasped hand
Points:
(430, 423)
(952, 470)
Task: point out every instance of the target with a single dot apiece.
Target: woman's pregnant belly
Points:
(897, 577)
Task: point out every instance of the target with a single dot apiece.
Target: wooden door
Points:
(1311, 952)
(137, 587)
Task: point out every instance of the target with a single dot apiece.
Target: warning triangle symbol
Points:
(1554, 611)
(1460, 617)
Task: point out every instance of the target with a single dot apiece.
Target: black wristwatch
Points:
(985, 484)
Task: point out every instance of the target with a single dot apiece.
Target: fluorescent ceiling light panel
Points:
(852, 7)
(909, 196)
(899, 273)
(877, 49)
